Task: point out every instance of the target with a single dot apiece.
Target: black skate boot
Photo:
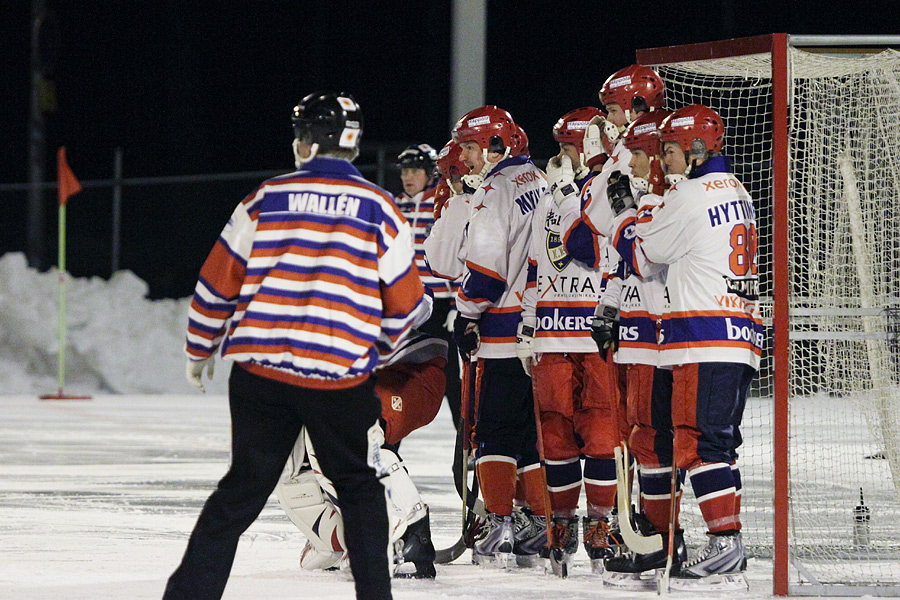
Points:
(638, 571)
(564, 546)
(415, 548)
(598, 541)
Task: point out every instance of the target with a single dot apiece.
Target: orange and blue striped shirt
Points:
(312, 280)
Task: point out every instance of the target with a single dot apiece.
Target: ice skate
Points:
(565, 544)
(639, 571)
(530, 532)
(719, 565)
(414, 552)
(494, 546)
(598, 542)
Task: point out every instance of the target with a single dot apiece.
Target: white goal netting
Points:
(844, 264)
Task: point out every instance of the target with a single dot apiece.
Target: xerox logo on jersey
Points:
(556, 251)
(526, 177)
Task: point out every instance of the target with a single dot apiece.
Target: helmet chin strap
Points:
(299, 161)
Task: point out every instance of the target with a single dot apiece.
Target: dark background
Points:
(195, 88)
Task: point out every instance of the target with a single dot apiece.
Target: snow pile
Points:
(117, 341)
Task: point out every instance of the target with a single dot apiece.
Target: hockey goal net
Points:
(814, 133)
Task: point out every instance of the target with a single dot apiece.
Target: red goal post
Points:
(813, 127)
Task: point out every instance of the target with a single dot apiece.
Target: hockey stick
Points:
(641, 544)
(464, 433)
(559, 568)
(663, 586)
(448, 555)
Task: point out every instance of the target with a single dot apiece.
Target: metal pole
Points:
(36, 149)
(467, 64)
(116, 212)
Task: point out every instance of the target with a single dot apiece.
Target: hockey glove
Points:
(618, 192)
(525, 345)
(594, 150)
(561, 178)
(194, 371)
(466, 336)
(605, 330)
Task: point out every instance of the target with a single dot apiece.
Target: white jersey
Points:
(499, 236)
(444, 246)
(641, 300)
(705, 230)
(562, 292)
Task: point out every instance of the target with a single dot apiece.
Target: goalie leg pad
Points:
(316, 517)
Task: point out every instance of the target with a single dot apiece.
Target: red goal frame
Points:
(777, 45)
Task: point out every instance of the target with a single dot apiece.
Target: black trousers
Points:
(435, 326)
(266, 418)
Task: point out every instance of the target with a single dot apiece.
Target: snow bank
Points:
(117, 340)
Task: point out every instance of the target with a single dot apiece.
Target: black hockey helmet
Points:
(421, 156)
(333, 120)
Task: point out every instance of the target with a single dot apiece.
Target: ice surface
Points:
(97, 497)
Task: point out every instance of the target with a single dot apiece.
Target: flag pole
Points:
(68, 186)
(61, 305)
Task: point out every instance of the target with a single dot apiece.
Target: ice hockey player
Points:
(446, 240)
(573, 387)
(629, 310)
(625, 95)
(417, 172)
(410, 385)
(303, 348)
(499, 233)
(711, 334)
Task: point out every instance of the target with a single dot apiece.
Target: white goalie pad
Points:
(310, 501)
(301, 495)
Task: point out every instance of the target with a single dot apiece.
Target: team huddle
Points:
(607, 306)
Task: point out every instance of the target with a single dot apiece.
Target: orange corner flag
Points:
(68, 184)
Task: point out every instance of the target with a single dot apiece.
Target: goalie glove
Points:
(525, 344)
(561, 178)
(605, 329)
(194, 371)
(618, 192)
(466, 336)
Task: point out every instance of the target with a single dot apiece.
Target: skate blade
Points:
(560, 563)
(529, 561)
(499, 560)
(597, 566)
(726, 582)
(634, 582)
(408, 570)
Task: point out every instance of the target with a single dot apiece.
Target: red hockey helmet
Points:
(636, 88)
(491, 127)
(643, 133)
(449, 161)
(519, 142)
(571, 126)
(690, 123)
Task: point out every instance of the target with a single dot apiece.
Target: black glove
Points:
(466, 336)
(618, 192)
(605, 330)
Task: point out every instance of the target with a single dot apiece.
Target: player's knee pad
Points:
(648, 447)
(558, 436)
(599, 432)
